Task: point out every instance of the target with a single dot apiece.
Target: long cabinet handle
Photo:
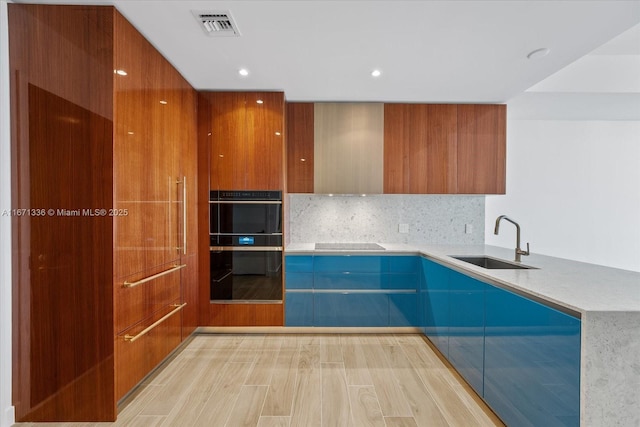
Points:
(184, 214)
(127, 284)
(132, 338)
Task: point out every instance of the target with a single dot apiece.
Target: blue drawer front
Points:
(403, 309)
(299, 263)
(298, 280)
(359, 309)
(348, 281)
(401, 280)
(298, 309)
(351, 264)
(532, 361)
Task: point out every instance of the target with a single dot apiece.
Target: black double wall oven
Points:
(246, 246)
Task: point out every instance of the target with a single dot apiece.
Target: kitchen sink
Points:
(492, 263)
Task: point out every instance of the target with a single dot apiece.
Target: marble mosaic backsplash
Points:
(376, 218)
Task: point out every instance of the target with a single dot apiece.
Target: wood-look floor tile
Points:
(330, 349)
(282, 385)
(225, 394)
(446, 397)
(307, 403)
(302, 380)
(268, 421)
(392, 400)
(336, 408)
(246, 411)
(190, 369)
(365, 408)
(187, 410)
(262, 368)
(423, 407)
(400, 422)
(355, 363)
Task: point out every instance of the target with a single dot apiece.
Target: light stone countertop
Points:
(577, 286)
(607, 300)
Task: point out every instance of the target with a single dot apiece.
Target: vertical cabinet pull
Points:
(184, 215)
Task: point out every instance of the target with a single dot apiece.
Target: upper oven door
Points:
(246, 217)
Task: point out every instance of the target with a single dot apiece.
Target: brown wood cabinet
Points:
(240, 147)
(420, 148)
(482, 149)
(103, 143)
(246, 144)
(428, 148)
(300, 150)
(444, 149)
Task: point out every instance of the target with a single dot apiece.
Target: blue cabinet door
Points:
(532, 361)
(434, 304)
(298, 309)
(351, 309)
(466, 328)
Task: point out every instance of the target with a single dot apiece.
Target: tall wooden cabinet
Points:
(103, 143)
(240, 147)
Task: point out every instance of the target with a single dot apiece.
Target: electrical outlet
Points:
(403, 228)
(468, 228)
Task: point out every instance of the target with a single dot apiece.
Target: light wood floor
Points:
(304, 381)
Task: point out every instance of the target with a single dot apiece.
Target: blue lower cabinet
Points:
(434, 304)
(298, 309)
(351, 309)
(352, 290)
(403, 309)
(532, 362)
(466, 328)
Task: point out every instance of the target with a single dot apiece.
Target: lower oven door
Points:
(246, 274)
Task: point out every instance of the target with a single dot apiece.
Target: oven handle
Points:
(245, 202)
(246, 248)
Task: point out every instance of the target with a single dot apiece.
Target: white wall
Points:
(574, 187)
(7, 412)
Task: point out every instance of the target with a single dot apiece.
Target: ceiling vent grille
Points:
(217, 23)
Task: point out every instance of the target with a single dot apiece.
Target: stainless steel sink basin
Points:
(492, 263)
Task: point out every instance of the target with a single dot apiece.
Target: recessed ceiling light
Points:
(129, 133)
(278, 134)
(243, 72)
(376, 73)
(163, 102)
(120, 72)
(303, 160)
(539, 53)
(259, 101)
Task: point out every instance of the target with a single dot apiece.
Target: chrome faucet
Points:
(519, 252)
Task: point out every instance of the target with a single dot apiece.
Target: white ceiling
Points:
(428, 51)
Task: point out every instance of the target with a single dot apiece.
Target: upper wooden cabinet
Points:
(428, 149)
(300, 162)
(482, 149)
(246, 141)
(445, 149)
(420, 148)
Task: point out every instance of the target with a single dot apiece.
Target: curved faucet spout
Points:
(519, 252)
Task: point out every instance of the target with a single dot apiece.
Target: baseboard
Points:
(305, 330)
(8, 417)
